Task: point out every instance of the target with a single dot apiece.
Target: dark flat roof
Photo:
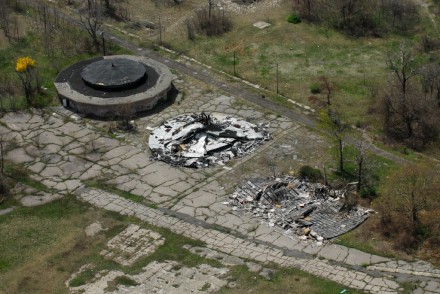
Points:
(72, 75)
(113, 73)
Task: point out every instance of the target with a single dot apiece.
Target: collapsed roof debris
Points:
(309, 210)
(201, 140)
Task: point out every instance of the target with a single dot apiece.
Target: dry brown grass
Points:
(304, 52)
(4, 44)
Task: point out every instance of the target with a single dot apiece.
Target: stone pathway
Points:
(243, 248)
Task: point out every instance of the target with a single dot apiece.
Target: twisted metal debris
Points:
(309, 210)
(202, 140)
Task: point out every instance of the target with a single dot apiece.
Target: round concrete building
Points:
(103, 86)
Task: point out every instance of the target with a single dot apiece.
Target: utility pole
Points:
(278, 89)
(160, 31)
(103, 43)
(234, 64)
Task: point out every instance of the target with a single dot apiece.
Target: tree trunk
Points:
(409, 128)
(341, 155)
(360, 173)
(414, 216)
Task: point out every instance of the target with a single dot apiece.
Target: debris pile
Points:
(202, 140)
(309, 210)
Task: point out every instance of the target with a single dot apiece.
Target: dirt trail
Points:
(425, 5)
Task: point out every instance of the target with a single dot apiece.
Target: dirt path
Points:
(425, 7)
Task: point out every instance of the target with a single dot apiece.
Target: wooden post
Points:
(234, 64)
(160, 31)
(278, 90)
(103, 43)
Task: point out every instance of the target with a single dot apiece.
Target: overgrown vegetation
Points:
(409, 208)
(294, 18)
(361, 18)
(310, 174)
(50, 41)
(210, 22)
(284, 280)
(410, 105)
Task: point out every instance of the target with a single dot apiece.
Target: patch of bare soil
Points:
(4, 44)
(149, 17)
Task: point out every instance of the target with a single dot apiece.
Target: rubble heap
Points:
(201, 140)
(310, 210)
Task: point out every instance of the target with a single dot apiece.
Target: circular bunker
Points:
(202, 140)
(103, 86)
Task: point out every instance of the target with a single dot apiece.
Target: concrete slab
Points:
(30, 201)
(18, 156)
(334, 252)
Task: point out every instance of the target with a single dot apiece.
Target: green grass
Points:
(121, 280)
(353, 239)
(42, 246)
(101, 184)
(304, 52)
(284, 281)
(379, 166)
(82, 278)
(18, 174)
(33, 43)
(31, 236)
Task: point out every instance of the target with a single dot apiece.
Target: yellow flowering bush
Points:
(23, 63)
(26, 71)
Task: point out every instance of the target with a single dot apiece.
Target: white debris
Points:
(201, 140)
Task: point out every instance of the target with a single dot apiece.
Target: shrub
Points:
(3, 190)
(368, 192)
(214, 23)
(310, 173)
(126, 281)
(315, 88)
(293, 18)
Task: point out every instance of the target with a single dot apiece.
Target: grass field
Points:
(303, 53)
(42, 246)
(52, 52)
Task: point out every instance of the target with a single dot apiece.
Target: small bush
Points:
(4, 190)
(126, 281)
(82, 278)
(315, 88)
(215, 23)
(368, 192)
(293, 18)
(310, 173)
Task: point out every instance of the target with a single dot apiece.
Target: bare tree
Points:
(332, 122)
(91, 20)
(350, 197)
(364, 163)
(328, 88)
(360, 18)
(2, 161)
(399, 15)
(402, 64)
(408, 111)
(411, 190)
(430, 75)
